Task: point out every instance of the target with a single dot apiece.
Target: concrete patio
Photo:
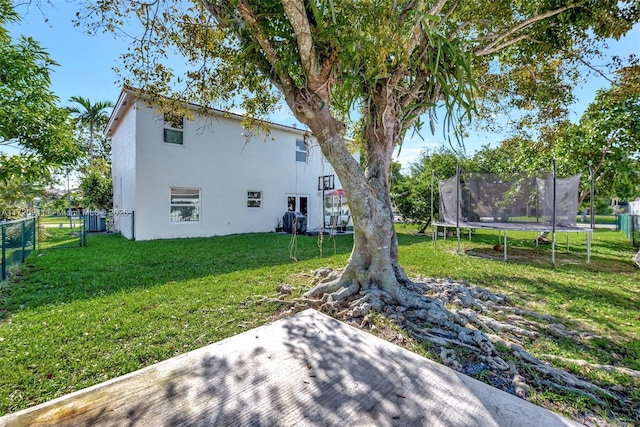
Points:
(306, 370)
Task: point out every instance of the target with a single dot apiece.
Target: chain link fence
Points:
(630, 225)
(18, 241)
(58, 232)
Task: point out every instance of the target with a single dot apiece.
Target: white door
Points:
(298, 203)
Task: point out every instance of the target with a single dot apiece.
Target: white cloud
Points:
(411, 150)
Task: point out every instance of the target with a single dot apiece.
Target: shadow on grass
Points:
(607, 252)
(112, 264)
(550, 289)
(305, 370)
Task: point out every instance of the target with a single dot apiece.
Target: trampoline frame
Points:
(504, 227)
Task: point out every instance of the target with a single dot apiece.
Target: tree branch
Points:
(437, 8)
(583, 61)
(294, 9)
(407, 8)
(269, 51)
(412, 93)
(506, 44)
(491, 48)
(317, 71)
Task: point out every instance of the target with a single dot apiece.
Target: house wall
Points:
(123, 173)
(219, 159)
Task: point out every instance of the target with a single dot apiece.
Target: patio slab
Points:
(305, 370)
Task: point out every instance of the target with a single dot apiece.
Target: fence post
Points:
(24, 241)
(83, 236)
(4, 252)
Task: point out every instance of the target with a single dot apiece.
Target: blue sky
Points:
(87, 62)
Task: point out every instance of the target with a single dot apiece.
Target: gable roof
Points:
(130, 95)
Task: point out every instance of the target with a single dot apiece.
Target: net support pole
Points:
(505, 245)
(458, 204)
(434, 228)
(592, 217)
(434, 233)
(4, 252)
(537, 206)
(431, 212)
(553, 216)
(36, 230)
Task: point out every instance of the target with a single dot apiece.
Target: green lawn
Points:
(56, 232)
(601, 219)
(80, 316)
(58, 220)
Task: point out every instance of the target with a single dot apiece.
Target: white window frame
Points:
(168, 125)
(251, 197)
(173, 205)
(301, 151)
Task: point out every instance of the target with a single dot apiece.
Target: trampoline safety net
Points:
(489, 198)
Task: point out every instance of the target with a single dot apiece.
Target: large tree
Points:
(95, 165)
(391, 62)
(607, 137)
(30, 119)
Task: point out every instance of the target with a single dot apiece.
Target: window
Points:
(254, 199)
(301, 151)
(185, 204)
(173, 129)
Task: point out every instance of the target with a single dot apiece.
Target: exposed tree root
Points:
(479, 323)
(606, 368)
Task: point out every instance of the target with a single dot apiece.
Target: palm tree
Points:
(91, 115)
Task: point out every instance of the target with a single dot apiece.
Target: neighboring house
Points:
(177, 177)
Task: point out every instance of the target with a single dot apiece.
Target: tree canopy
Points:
(90, 118)
(31, 120)
(95, 163)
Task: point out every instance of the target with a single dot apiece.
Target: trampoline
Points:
(520, 202)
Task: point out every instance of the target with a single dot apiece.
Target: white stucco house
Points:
(175, 177)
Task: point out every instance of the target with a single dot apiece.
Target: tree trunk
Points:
(373, 264)
(91, 130)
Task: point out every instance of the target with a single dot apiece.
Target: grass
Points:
(79, 316)
(53, 219)
(58, 238)
(54, 232)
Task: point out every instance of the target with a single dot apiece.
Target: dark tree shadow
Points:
(308, 370)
